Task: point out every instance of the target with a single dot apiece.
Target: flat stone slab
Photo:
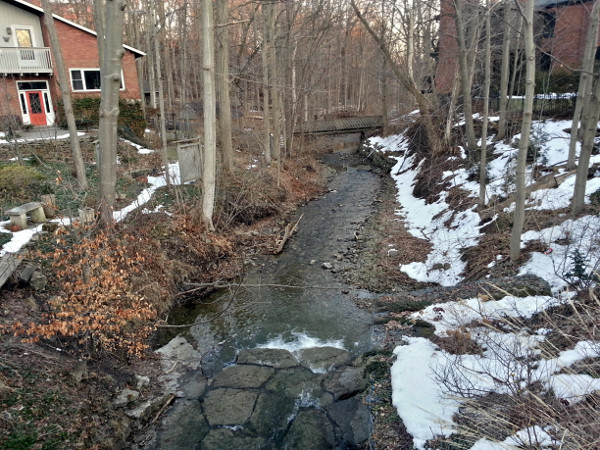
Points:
(229, 406)
(272, 357)
(243, 376)
(223, 438)
(23, 209)
(322, 359)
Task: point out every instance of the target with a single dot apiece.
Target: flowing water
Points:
(289, 301)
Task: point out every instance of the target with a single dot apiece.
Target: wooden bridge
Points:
(339, 126)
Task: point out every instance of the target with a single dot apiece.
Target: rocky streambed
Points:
(274, 362)
(273, 398)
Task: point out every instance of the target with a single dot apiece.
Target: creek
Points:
(276, 355)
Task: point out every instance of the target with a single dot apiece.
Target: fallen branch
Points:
(185, 325)
(289, 231)
(221, 285)
(163, 407)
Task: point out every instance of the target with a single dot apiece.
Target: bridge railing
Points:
(347, 124)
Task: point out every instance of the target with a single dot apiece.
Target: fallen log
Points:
(290, 229)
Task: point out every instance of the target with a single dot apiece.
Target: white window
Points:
(88, 79)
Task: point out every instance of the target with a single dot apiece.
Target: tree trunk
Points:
(519, 213)
(223, 86)
(111, 47)
(384, 95)
(465, 76)
(504, 72)
(265, 88)
(210, 116)
(590, 118)
(65, 92)
(585, 81)
(486, 102)
(161, 104)
(274, 85)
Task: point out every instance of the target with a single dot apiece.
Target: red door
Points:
(37, 116)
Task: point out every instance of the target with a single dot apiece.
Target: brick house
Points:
(28, 81)
(564, 27)
(560, 28)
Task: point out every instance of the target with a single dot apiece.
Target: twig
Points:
(172, 368)
(162, 409)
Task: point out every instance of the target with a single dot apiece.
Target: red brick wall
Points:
(568, 43)
(80, 50)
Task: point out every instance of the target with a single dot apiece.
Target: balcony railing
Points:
(25, 60)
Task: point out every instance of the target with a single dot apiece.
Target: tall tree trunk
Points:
(273, 70)
(161, 103)
(504, 73)
(223, 86)
(589, 121)
(150, 26)
(65, 92)
(110, 45)
(384, 95)
(209, 176)
(465, 75)
(585, 81)
(265, 88)
(519, 213)
(486, 103)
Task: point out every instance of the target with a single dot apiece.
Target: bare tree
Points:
(466, 53)
(425, 105)
(504, 72)
(65, 93)
(110, 46)
(519, 214)
(486, 102)
(223, 85)
(585, 81)
(210, 116)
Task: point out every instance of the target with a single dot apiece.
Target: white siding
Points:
(12, 16)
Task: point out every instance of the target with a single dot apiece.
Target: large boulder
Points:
(346, 382)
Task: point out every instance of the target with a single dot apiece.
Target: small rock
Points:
(327, 266)
(38, 281)
(141, 382)
(125, 397)
(80, 371)
(312, 262)
(31, 304)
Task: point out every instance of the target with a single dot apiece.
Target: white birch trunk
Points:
(519, 213)
(210, 116)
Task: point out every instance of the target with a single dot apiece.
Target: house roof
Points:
(40, 12)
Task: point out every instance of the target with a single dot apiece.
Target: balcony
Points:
(25, 60)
